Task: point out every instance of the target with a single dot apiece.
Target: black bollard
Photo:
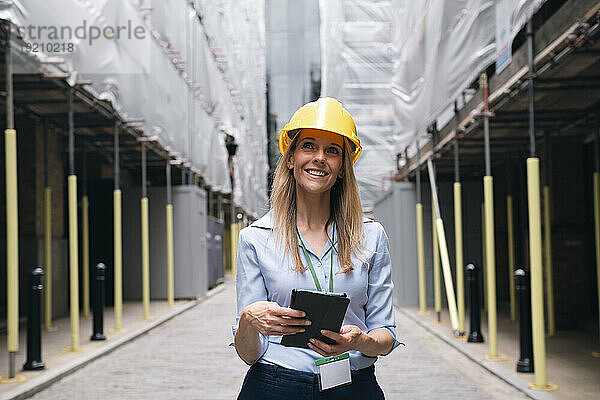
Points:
(98, 303)
(34, 322)
(475, 335)
(525, 363)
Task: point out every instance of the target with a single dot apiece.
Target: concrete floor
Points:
(569, 361)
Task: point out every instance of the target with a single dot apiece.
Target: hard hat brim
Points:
(285, 139)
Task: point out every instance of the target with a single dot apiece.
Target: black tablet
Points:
(324, 310)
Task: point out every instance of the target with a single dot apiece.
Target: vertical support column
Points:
(85, 238)
(437, 290)
(597, 211)
(420, 249)
(483, 258)
(458, 233)
(170, 280)
(12, 220)
(145, 241)
(47, 239)
(511, 242)
(73, 245)
(535, 236)
(548, 238)
(118, 257)
(490, 252)
(443, 252)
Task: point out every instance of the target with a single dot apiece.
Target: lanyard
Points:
(312, 269)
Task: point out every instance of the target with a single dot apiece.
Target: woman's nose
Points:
(320, 157)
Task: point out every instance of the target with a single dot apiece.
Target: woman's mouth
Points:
(316, 173)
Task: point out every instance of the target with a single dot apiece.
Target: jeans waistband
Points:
(307, 377)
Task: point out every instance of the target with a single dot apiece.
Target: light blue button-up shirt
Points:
(262, 274)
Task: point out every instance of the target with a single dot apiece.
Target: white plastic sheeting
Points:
(397, 65)
(198, 73)
(356, 68)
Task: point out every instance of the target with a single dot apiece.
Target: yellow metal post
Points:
(12, 241)
(488, 187)
(447, 276)
(483, 257)
(235, 229)
(118, 273)
(421, 260)
(48, 257)
(145, 259)
(443, 252)
(511, 258)
(170, 280)
(86, 256)
(537, 289)
(437, 290)
(597, 237)
(458, 248)
(73, 262)
(548, 262)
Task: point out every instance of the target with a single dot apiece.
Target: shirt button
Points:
(318, 264)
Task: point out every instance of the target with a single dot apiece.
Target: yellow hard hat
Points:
(326, 114)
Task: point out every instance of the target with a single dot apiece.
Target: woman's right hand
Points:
(269, 318)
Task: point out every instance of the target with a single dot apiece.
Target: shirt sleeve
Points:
(379, 310)
(249, 282)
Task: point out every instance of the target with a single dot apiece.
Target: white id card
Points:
(334, 371)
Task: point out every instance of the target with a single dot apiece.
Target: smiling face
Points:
(317, 160)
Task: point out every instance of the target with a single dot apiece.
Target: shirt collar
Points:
(266, 221)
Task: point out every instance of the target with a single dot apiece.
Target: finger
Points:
(290, 312)
(322, 345)
(284, 330)
(332, 335)
(318, 350)
(296, 321)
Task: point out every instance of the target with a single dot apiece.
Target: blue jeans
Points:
(271, 382)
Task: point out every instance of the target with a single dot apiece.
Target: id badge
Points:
(334, 371)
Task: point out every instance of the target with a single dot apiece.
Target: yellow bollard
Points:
(437, 290)
(48, 257)
(235, 232)
(483, 257)
(548, 262)
(118, 273)
(490, 253)
(511, 258)
(537, 290)
(73, 262)
(597, 232)
(421, 261)
(86, 256)
(170, 278)
(458, 248)
(12, 241)
(145, 259)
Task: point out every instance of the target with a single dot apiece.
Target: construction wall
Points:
(190, 71)
(399, 65)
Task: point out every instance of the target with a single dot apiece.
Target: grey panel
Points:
(189, 242)
(396, 211)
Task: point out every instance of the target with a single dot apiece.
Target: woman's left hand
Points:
(349, 338)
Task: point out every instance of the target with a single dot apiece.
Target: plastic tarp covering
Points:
(398, 65)
(198, 73)
(356, 68)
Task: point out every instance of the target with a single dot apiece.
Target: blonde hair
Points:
(346, 210)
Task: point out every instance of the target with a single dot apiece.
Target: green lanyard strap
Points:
(312, 269)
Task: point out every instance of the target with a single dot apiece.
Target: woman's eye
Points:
(307, 145)
(333, 150)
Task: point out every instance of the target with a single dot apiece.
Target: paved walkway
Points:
(188, 358)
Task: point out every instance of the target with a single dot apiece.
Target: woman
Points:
(315, 224)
